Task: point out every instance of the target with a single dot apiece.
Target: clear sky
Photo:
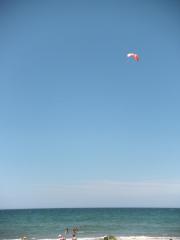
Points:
(80, 124)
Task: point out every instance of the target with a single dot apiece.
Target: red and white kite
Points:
(134, 56)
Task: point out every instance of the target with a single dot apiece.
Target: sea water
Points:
(93, 223)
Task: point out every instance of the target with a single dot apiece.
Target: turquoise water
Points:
(48, 223)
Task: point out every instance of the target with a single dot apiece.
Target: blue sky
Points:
(80, 124)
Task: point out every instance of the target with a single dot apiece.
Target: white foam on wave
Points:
(118, 238)
(147, 238)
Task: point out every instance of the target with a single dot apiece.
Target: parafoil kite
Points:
(134, 56)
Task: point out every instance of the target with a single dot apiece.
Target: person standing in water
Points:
(66, 232)
(74, 230)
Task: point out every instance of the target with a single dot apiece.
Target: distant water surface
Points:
(91, 222)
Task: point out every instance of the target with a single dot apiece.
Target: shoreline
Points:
(100, 238)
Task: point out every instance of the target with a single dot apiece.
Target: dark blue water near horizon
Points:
(91, 222)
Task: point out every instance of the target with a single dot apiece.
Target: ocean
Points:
(92, 223)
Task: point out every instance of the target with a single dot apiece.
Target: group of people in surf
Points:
(66, 232)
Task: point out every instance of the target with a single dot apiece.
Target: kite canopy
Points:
(134, 56)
